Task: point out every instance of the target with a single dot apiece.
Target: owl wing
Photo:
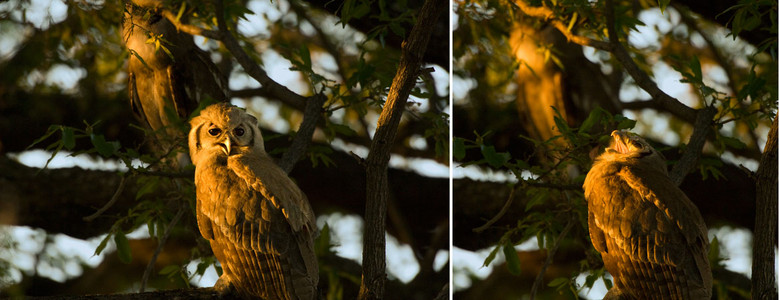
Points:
(260, 253)
(263, 175)
(649, 231)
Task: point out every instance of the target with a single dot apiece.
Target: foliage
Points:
(549, 173)
(552, 190)
(87, 38)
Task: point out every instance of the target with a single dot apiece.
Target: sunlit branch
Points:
(543, 12)
(190, 29)
(613, 46)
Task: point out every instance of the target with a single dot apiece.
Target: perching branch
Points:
(373, 276)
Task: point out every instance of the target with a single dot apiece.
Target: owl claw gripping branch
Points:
(258, 222)
(651, 236)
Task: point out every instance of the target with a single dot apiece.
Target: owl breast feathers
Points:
(259, 223)
(651, 236)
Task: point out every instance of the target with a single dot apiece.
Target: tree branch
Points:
(542, 12)
(305, 133)
(373, 277)
(763, 273)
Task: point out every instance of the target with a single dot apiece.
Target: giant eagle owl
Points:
(168, 75)
(259, 223)
(652, 238)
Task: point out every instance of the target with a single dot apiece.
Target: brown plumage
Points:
(175, 76)
(259, 223)
(652, 238)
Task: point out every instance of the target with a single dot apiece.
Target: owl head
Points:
(222, 130)
(628, 146)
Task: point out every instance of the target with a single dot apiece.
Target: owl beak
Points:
(226, 146)
(619, 143)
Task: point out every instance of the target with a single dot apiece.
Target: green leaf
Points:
(626, 124)
(607, 282)
(595, 116)
(558, 281)
(361, 10)
(663, 4)
(539, 197)
(562, 126)
(695, 67)
(149, 186)
(733, 142)
(491, 256)
(322, 243)
(123, 247)
(512, 259)
(68, 139)
(52, 129)
(494, 159)
(102, 245)
(459, 148)
(105, 149)
(169, 270)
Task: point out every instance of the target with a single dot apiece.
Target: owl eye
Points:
(214, 131)
(636, 144)
(239, 131)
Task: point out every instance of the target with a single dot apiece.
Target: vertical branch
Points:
(763, 276)
(303, 138)
(374, 263)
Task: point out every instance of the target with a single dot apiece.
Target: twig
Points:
(191, 29)
(111, 202)
(500, 214)
(374, 260)
(161, 243)
(549, 256)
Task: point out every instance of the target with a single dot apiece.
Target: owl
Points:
(652, 238)
(258, 222)
(168, 75)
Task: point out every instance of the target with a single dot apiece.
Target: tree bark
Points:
(377, 191)
(765, 237)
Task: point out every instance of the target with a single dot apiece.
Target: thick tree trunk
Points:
(763, 273)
